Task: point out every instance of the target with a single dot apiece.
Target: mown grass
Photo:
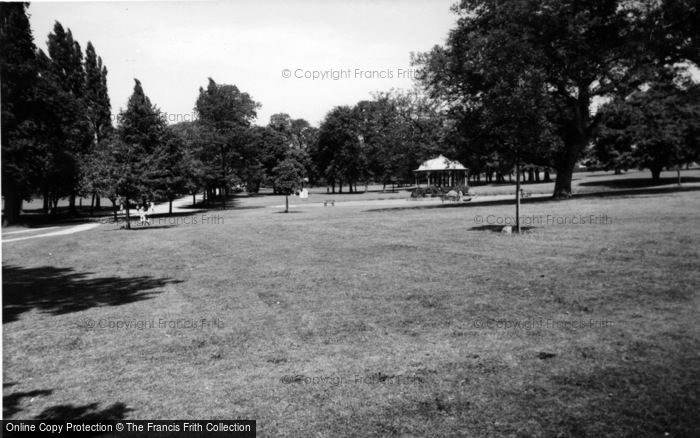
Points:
(353, 322)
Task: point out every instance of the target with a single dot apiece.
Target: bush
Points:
(435, 191)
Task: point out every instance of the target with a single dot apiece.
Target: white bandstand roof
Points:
(440, 163)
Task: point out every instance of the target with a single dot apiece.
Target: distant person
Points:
(144, 216)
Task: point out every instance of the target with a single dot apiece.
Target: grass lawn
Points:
(356, 322)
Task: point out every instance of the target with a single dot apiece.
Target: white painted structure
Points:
(441, 171)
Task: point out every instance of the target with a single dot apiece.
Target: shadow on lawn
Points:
(86, 413)
(499, 228)
(537, 200)
(83, 413)
(61, 290)
(10, 403)
(632, 183)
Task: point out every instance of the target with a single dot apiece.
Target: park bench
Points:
(524, 194)
(329, 201)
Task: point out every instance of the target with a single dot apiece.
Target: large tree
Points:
(18, 72)
(97, 106)
(66, 126)
(401, 129)
(664, 124)
(141, 133)
(171, 168)
(226, 113)
(341, 154)
(584, 49)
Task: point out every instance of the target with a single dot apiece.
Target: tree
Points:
(18, 70)
(97, 99)
(341, 155)
(652, 129)
(512, 115)
(170, 168)
(106, 170)
(64, 78)
(613, 145)
(97, 103)
(290, 138)
(193, 141)
(141, 133)
(288, 176)
(227, 113)
(663, 121)
(400, 130)
(582, 48)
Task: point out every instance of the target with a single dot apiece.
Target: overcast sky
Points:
(173, 47)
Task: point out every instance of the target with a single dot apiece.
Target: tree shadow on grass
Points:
(10, 403)
(604, 193)
(84, 413)
(632, 183)
(498, 228)
(79, 414)
(150, 227)
(61, 290)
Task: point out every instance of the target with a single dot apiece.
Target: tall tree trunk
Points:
(678, 172)
(286, 203)
(170, 207)
(114, 209)
(655, 173)
(565, 169)
(54, 210)
(92, 204)
(128, 218)
(517, 197)
(581, 130)
(547, 177)
(97, 202)
(194, 199)
(13, 208)
(47, 200)
(71, 204)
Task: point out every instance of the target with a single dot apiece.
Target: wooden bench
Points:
(329, 201)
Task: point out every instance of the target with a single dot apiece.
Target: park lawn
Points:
(352, 322)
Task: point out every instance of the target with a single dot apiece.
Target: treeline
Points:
(55, 110)
(654, 128)
(513, 88)
(521, 81)
(59, 142)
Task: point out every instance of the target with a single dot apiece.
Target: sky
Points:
(334, 52)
